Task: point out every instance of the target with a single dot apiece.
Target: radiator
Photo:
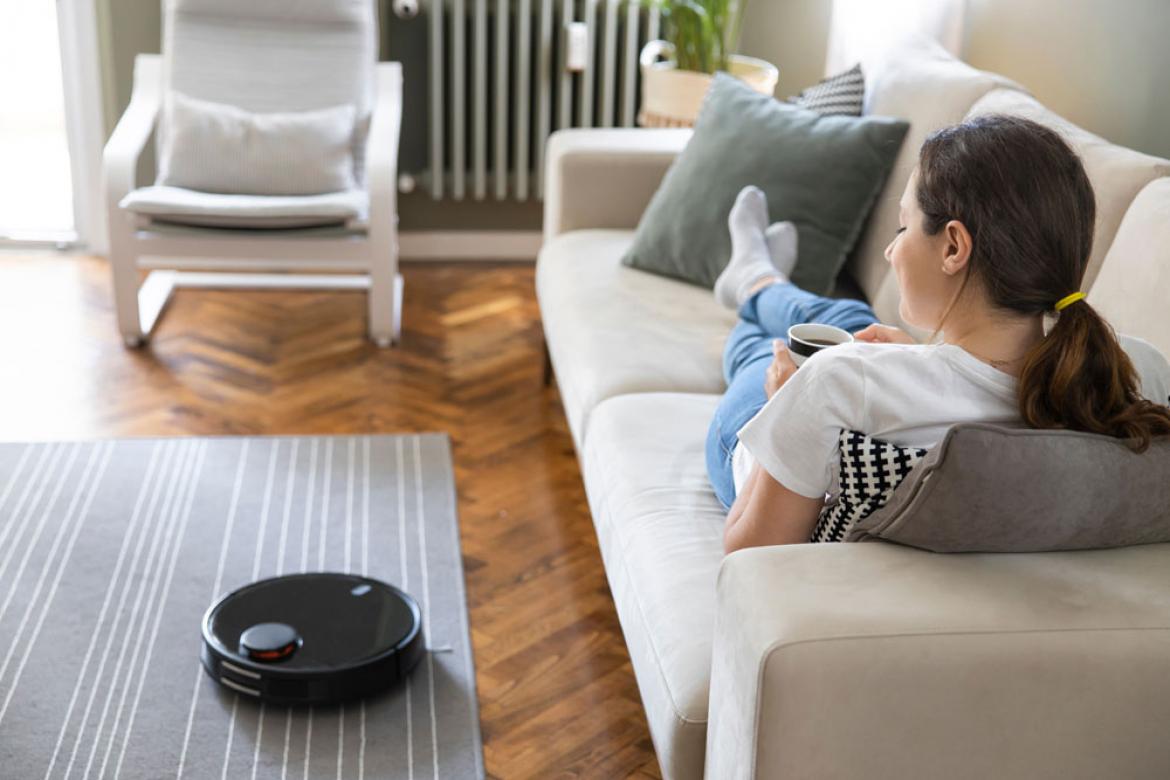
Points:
(498, 85)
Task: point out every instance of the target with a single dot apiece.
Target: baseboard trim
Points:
(469, 244)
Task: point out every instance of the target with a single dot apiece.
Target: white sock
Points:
(750, 260)
(781, 238)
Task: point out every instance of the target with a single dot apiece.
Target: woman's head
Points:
(999, 216)
(931, 267)
(999, 208)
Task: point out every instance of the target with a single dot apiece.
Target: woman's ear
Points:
(957, 247)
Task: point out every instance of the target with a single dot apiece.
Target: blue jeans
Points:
(765, 316)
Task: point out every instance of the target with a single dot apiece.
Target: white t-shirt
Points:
(908, 395)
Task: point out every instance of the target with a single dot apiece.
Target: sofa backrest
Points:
(1132, 289)
(1118, 174)
(927, 86)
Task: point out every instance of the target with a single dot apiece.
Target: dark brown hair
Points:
(1023, 195)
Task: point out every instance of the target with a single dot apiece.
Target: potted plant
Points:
(676, 72)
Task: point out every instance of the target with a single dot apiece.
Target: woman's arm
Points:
(765, 512)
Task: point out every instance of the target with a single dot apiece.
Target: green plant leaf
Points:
(704, 32)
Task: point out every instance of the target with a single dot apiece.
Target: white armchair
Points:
(262, 56)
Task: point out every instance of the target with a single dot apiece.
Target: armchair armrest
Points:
(381, 154)
(605, 178)
(873, 660)
(122, 150)
(381, 157)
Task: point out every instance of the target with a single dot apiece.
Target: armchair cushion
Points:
(208, 209)
(215, 147)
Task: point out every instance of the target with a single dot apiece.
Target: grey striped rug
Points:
(110, 551)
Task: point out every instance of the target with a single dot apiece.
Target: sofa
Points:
(844, 660)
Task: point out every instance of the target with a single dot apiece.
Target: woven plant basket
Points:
(672, 97)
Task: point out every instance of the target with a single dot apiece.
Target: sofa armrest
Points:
(873, 660)
(604, 178)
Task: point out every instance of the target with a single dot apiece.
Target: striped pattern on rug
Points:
(111, 551)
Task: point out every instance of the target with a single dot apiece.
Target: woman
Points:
(995, 231)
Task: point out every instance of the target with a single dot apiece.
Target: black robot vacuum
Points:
(312, 638)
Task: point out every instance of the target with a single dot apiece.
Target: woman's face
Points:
(918, 261)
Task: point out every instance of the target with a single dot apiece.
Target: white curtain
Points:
(860, 29)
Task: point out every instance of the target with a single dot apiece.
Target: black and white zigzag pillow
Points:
(870, 469)
(839, 95)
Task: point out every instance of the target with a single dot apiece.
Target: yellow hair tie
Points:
(1069, 300)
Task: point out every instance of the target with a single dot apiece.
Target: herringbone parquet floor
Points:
(557, 694)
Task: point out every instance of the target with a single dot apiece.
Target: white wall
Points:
(792, 35)
(1103, 64)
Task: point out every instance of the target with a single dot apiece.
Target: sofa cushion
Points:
(1117, 173)
(991, 488)
(1133, 286)
(928, 87)
(613, 330)
(822, 173)
(209, 209)
(841, 94)
(660, 530)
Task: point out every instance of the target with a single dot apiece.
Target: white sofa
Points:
(845, 660)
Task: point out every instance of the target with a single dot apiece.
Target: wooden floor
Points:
(557, 694)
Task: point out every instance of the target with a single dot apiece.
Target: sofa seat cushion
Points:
(211, 209)
(660, 530)
(1118, 174)
(613, 330)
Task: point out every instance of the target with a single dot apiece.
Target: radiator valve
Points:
(405, 9)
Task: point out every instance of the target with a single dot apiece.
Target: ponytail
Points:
(1079, 377)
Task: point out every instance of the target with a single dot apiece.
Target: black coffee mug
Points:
(808, 338)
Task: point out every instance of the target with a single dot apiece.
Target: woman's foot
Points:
(781, 238)
(751, 260)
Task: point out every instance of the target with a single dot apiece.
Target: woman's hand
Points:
(781, 369)
(884, 334)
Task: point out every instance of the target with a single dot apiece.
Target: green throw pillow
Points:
(823, 173)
